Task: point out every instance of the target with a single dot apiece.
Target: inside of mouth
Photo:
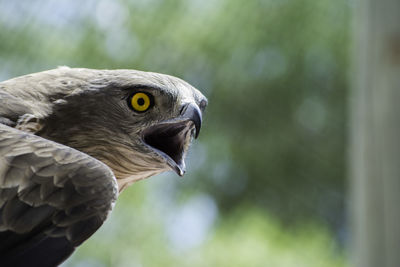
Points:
(168, 138)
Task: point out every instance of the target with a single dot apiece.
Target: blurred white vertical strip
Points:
(375, 134)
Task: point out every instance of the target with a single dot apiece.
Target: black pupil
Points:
(140, 101)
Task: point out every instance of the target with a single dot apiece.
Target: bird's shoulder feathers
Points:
(52, 198)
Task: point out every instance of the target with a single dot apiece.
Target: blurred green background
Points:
(266, 179)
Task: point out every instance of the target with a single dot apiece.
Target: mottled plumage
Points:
(71, 139)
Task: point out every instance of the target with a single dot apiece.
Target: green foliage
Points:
(251, 238)
(247, 237)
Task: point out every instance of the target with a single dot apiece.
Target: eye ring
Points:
(140, 101)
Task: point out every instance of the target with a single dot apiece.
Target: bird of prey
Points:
(71, 139)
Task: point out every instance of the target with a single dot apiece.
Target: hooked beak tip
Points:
(193, 113)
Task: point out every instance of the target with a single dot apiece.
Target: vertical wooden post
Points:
(375, 134)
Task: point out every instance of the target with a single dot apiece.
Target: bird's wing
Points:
(52, 198)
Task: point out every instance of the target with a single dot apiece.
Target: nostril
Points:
(203, 104)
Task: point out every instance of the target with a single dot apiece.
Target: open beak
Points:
(171, 139)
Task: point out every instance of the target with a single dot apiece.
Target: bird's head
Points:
(138, 123)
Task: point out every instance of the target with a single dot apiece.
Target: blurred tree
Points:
(275, 135)
(274, 72)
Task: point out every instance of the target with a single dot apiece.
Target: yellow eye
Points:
(141, 102)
